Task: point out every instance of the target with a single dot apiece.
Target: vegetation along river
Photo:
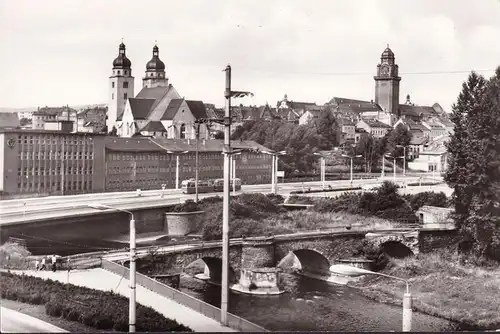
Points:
(314, 305)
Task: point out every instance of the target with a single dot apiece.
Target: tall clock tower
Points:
(387, 84)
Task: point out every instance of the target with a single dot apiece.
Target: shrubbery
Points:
(95, 308)
(310, 191)
(188, 206)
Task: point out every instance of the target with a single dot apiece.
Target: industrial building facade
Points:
(41, 163)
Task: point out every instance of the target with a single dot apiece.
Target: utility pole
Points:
(197, 134)
(226, 204)
(228, 94)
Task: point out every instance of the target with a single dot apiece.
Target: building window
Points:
(119, 72)
(125, 84)
(113, 84)
(125, 96)
(112, 96)
(183, 131)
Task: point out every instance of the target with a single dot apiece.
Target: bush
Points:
(54, 309)
(14, 256)
(427, 198)
(95, 308)
(188, 206)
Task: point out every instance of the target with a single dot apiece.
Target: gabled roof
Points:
(416, 111)
(9, 120)
(172, 109)
(300, 105)
(141, 107)
(155, 93)
(353, 106)
(154, 126)
(197, 109)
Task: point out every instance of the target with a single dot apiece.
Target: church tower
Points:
(121, 87)
(155, 72)
(387, 84)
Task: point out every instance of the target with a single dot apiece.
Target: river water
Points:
(313, 305)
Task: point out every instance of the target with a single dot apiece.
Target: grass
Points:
(443, 287)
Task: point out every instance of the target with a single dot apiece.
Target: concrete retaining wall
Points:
(183, 223)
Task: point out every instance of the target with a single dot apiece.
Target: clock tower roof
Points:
(387, 54)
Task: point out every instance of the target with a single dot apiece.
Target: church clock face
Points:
(384, 70)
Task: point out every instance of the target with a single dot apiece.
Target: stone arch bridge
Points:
(315, 251)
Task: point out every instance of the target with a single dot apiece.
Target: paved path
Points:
(17, 322)
(101, 279)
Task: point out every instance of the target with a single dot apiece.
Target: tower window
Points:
(125, 96)
(125, 84)
(119, 72)
(126, 72)
(112, 96)
(113, 84)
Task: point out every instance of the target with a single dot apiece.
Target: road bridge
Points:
(313, 252)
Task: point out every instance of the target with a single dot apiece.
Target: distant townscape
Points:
(150, 139)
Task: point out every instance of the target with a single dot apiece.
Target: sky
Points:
(58, 52)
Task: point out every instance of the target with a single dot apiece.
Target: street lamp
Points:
(394, 164)
(404, 159)
(228, 94)
(323, 168)
(347, 270)
(351, 157)
(274, 171)
(132, 306)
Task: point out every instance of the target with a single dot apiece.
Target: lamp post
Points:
(347, 270)
(274, 171)
(323, 169)
(394, 164)
(351, 157)
(228, 94)
(404, 159)
(132, 303)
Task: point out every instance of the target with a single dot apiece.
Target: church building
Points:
(158, 110)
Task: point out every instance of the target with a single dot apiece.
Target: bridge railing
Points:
(206, 309)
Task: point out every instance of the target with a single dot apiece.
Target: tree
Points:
(474, 163)
(219, 135)
(369, 148)
(399, 136)
(456, 174)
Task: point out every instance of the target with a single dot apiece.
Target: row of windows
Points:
(53, 139)
(125, 96)
(56, 155)
(125, 83)
(188, 156)
(54, 186)
(54, 171)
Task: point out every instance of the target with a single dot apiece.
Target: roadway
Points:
(17, 322)
(34, 209)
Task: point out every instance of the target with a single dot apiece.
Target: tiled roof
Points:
(139, 144)
(300, 105)
(418, 140)
(9, 120)
(346, 122)
(197, 109)
(373, 123)
(353, 106)
(412, 110)
(53, 111)
(141, 107)
(172, 109)
(154, 126)
(155, 93)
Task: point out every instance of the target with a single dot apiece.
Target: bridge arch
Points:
(212, 269)
(396, 249)
(307, 260)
